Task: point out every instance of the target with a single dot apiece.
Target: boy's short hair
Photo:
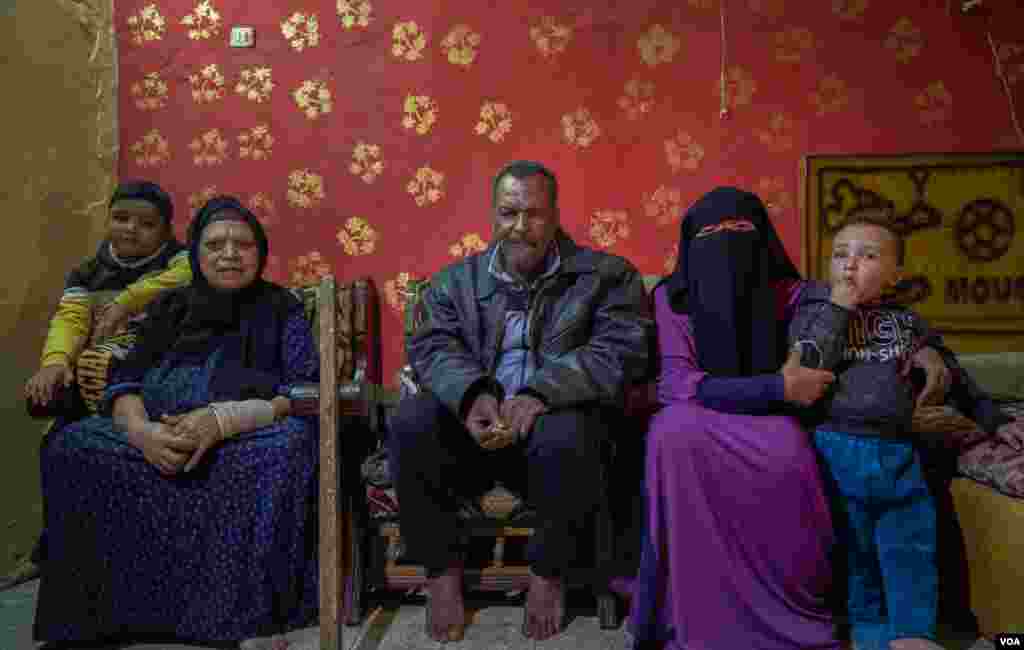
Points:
(147, 191)
(879, 219)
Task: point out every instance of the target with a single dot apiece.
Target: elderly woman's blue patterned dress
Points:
(223, 553)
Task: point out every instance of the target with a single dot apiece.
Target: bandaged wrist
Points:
(218, 413)
(241, 417)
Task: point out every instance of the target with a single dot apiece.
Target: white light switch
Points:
(242, 37)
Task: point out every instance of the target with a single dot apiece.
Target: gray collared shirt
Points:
(515, 364)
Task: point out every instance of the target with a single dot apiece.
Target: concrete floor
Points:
(397, 625)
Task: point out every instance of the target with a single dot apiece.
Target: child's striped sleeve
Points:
(69, 328)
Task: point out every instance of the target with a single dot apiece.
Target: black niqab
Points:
(729, 259)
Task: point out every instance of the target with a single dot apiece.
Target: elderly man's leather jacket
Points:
(590, 329)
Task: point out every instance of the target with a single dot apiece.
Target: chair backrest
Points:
(356, 325)
(414, 312)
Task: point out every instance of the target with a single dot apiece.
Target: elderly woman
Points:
(738, 529)
(186, 510)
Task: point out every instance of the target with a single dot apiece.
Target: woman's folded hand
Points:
(199, 426)
(163, 449)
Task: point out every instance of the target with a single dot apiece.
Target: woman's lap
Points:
(212, 555)
(738, 511)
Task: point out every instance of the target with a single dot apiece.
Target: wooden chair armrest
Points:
(365, 399)
(357, 398)
(305, 399)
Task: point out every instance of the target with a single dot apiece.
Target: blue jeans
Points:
(885, 517)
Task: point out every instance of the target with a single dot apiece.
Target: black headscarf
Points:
(723, 280)
(213, 311)
(146, 191)
(246, 324)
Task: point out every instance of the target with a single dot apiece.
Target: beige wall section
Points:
(57, 74)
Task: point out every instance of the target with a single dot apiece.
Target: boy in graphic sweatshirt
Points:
(863, 435)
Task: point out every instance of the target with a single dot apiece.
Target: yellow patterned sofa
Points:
(989, 502)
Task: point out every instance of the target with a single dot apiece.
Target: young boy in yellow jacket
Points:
(137, 260)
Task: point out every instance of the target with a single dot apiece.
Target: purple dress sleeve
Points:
(679, 374)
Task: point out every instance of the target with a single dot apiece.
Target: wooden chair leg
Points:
(357, 580)
(607, 601)
(608, 610)
(604, 554)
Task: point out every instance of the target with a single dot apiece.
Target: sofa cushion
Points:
(995, 463)
(981, 457)
(1000, 374)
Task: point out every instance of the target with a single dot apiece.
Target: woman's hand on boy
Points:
(938, 378)
(803, 386)
(41, 386)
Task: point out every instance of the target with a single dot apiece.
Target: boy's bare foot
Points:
(914, 644)
(545, 608)
(446, 613)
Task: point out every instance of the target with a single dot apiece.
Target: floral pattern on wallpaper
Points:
(357, 237)
(207, 84)
(203, 22)
(366, 162)
(355, 13)
(550, 37)
(150, 92)
(255, 84)
(147, 24)
(301, 30)
(363, 133)
(495, 121)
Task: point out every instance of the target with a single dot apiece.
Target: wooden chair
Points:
(346, 319)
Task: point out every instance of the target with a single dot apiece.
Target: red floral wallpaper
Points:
(365, 132)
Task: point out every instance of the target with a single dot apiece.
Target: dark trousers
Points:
(886, 520)
(434, 461)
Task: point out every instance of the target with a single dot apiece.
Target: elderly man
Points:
(525, 348)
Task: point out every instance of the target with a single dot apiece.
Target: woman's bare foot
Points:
(545, 608)
(914, 644)
(446, 613)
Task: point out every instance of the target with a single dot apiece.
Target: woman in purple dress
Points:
(738, 532)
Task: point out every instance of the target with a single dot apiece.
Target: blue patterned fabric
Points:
(224, 553)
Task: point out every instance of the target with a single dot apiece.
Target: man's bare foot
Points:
(545, 608)
(914, 644)
(446, 613)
